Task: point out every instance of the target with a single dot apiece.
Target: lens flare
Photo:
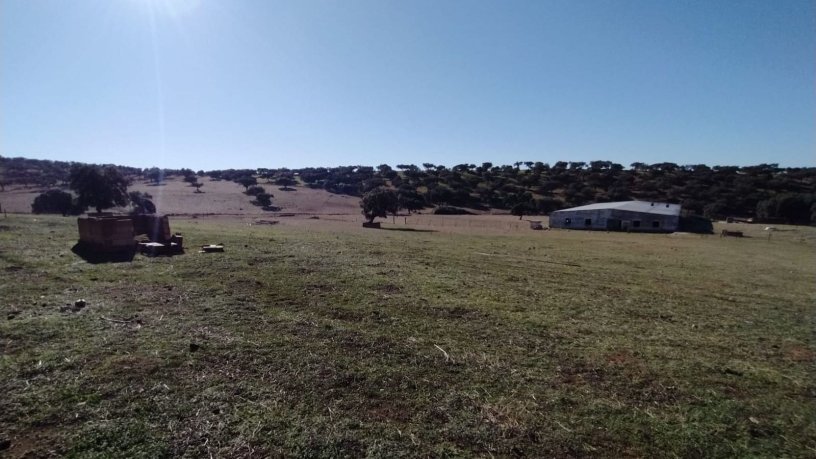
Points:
(173, 8)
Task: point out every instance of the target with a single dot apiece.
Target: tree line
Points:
(765, 191)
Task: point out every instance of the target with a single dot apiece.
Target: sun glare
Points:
(174, 8)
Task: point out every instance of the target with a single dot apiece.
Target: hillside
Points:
(765, 191)
(175, 196)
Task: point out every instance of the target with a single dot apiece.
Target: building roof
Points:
(659, 208)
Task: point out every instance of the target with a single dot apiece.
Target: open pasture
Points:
(313, 338)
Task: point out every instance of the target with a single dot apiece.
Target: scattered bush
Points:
(246, 181)
(55, 202)
(263, 200)
(255, 190)
(285, 182)
(141, 203)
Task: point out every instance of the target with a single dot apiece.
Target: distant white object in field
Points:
(770, 228)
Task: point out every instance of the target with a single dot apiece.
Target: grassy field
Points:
(336, 341)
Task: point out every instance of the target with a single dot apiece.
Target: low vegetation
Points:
(95, 187)
(348, 343)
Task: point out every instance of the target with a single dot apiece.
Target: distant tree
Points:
(155, 175)
(794, 208)
(378, 203)
(265, 174)
(547, 205)
(285, 182)
(3, 184)
(410, 200)
(523, 205)
(53, 202)
(191, 179)
(560, 165)
(100, 188)
(255, 190)
(246, 181)
(263, 200)
(141, 203)
(716, 209)
(370, 184)
(198, 186)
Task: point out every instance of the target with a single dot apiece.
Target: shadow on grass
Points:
(410, 229)
(93, 256)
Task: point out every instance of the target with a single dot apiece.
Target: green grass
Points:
(356, 342)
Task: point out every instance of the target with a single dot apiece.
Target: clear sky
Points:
(259, 83)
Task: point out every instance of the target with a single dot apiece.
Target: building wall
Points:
(665, 223)
(580, 219)
(614, 220)
(106, 233)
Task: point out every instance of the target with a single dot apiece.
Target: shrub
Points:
(255, 190)
(263, 200)
(246, 181)
(54, 202)
(142, 203)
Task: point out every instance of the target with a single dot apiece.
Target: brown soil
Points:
(217, 197)
(301, 206)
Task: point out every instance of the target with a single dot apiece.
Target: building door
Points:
(613, 224)
(624, 225)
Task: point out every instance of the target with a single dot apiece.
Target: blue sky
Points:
(239, 83)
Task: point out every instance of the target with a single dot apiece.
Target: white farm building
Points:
(642, 216)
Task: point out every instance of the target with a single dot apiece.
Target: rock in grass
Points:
(194, 347)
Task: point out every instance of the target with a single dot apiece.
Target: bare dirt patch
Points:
(800, 354)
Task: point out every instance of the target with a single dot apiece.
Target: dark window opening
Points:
(587, 222)
(635, 223)
(567, 221)
(655, 224)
